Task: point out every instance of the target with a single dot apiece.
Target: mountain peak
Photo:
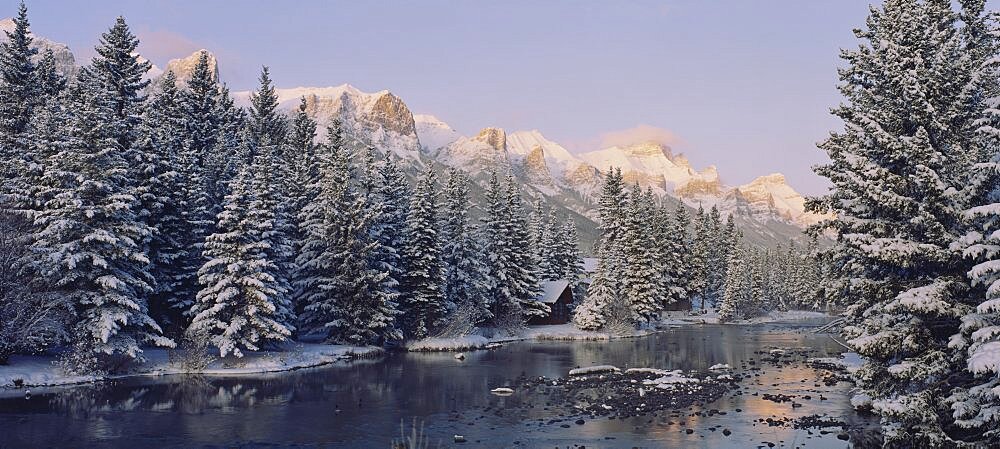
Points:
(771, 179)
(494, 137)
(647, 149)
(184, 67)
(65, 61)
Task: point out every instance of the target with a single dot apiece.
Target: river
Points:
(362, 404)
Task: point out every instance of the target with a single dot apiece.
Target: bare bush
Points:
(32, 317)
(195, 352)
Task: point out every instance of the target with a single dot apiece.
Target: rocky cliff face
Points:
(183, 67)
(65, 61)
(380, 119)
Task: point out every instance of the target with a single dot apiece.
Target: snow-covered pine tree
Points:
(342, 293)
(605, 304)
(670, 253)
(896, 168)
(700, 257)
(715, 267)
(736, 294)
(163, 134)
(50, 81)
(465, 276)
(603, 294)
(19, 87)
(539, 236)
(422, 302)
(19, 96)
(642, 276)
(505, 309)
(392, 193)
(524, 272)
(89, 243)
(569, 263)
(684, 243)
(550, 264)
(975, 404)
(268, 131)
(304, 171)
(239, 305)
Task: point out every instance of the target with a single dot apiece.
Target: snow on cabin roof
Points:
(589, 264)
(552, 290)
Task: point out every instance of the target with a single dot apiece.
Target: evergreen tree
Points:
(569, 263)
(239, 306)
(393, 195)
(975, 404)
(642, 277)
(19, 91)
(342, 293)
(735, 297)
(606, 304)
(524, 272)
(906, 148)
(700, 255)
(423, 304)
(465, 276)
(89, 243)
(267, 132)
(670, 251)
(163, 137)
(505, 307)
(50, 82)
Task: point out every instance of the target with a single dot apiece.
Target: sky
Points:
(744, 85)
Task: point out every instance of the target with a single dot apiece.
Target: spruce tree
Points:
(239, 306)
(642, 277)
(163, 136)
(465, 276)
(19, 92)
(896, 167)
(90, 238)
(700, 257)
(524, 272)
(342, 293)
(422, 303)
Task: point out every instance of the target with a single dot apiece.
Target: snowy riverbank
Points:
(548, 332)
(570, 332)
(711, 316)
(42, 371)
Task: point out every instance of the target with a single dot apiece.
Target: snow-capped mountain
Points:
(767, 208)
(65, 61)
(183, 67)
(380, 119)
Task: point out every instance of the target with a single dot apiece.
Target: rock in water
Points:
(460, 356)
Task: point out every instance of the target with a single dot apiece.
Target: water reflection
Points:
(362, 404)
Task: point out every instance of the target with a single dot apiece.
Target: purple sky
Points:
(745, 85)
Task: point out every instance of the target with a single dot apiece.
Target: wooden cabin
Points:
(558, 295)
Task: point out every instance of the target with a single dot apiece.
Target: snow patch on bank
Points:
(32, 371)
(711, 316)
(566, 332)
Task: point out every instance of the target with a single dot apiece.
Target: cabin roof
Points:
(552, 290)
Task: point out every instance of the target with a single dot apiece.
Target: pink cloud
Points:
(161, 46)
(639, 134)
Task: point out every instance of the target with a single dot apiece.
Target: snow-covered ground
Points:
(547, 332)
(712, 317)
(42, 371)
